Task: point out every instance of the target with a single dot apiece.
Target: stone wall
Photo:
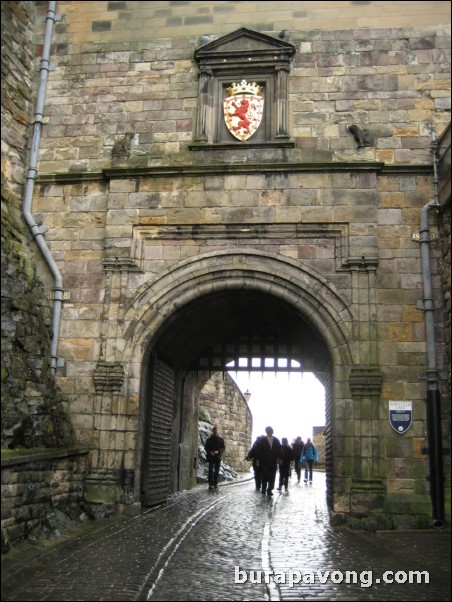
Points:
(41, 493)
(125, 73)
(118, 22)
(222, 404)
(18, 80)
(128, 199)
(318, 437)
(143, 223)
(34, 411)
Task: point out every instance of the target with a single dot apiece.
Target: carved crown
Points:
(244, 88)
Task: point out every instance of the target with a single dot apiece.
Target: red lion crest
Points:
(240, 112)
(243, 111)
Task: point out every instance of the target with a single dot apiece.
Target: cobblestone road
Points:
(232, 544)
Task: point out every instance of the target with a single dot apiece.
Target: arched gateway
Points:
(183, 232)
(201, 314)
(182, 240)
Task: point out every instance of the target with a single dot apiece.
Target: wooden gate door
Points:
(159, 422)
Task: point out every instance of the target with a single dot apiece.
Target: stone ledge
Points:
(367, 484)
(205, 146)
(233, 169)
(11, 457)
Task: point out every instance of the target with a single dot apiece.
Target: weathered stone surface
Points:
(227, 473)
(318, 224)
(41, 493)
(34, 412)
(34, 409)
(222, 404)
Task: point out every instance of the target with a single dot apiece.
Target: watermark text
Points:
(363, 578)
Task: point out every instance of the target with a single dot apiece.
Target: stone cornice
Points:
(369, 264)
(26, 456)
(203, 146)
(173, 171)
(71, 177)
(120, 264)
(368, 485)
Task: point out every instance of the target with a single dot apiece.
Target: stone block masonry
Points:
(34, 409)
(139, 78)
(222, 404)
(156, 229)
(42, 490)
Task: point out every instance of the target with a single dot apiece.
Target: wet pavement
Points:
(232, 544)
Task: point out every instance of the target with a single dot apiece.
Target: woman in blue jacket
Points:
(309, 455)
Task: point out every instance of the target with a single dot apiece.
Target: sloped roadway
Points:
(232, 544)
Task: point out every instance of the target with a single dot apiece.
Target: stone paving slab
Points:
(200, 543)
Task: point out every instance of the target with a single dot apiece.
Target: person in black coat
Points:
(252, 455)
(284, 465)
(297, 449)
(269, 453)
(214, 447)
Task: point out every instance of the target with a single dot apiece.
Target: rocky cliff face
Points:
(222, 404)
(226, 472)
(33, 409)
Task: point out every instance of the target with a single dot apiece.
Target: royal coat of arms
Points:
(243, 109)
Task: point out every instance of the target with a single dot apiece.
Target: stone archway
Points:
(298, 285)
(219, 296)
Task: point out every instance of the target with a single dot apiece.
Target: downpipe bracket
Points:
(424, 304)
(56, 18)
(442, 376)
(416, 236)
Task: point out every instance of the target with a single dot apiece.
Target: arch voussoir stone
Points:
(286, 279)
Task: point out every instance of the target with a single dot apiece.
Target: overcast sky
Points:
(292, 403)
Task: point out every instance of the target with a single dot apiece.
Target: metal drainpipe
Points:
(36, 230)
(435, 451)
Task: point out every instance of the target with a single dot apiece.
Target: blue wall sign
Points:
(401, 415)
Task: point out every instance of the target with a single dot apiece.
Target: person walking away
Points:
(309, 456)
(284, 464)
(297, 449)
(268, 453)
(214, 447)
(252, 455)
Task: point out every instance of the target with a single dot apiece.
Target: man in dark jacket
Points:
(214, 447)
(269, 453)
(284, 465)
(252, 455)
(297, 449)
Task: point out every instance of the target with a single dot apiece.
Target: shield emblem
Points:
(401, 415)
(243, 110)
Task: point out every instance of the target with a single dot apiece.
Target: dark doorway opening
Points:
(199, 338)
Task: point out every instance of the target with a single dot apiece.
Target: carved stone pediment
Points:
(243, 55)
(242, 47)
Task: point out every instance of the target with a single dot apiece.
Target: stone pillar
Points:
(205, 105)
(363, 271)
(111, 478)
(367, 488)
(282, 125)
